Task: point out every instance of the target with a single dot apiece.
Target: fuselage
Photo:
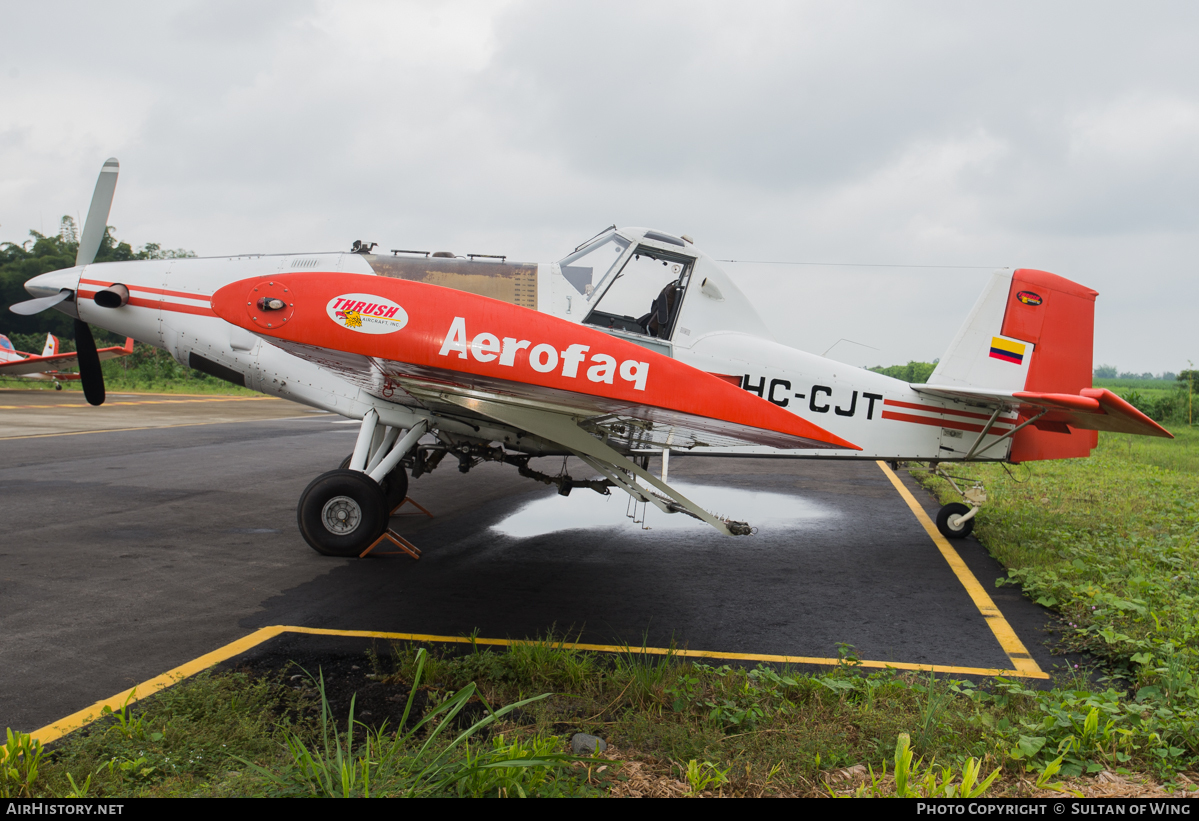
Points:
(644, 287)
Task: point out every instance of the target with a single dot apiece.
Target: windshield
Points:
(587, 267)
(645, 297)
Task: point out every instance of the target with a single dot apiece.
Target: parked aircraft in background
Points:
(46, 366)
(635, 342)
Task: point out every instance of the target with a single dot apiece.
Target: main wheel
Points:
(947, 514)
(395, 484)
(342, 512)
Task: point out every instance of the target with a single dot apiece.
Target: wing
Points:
(425, 345)
(453, 353)
(1090, 409)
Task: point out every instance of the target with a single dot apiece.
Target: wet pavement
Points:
(127, 553)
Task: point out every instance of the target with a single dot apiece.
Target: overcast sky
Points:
(1060, 136)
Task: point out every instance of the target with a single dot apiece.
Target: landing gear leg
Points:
(343, 512)
(395, 484)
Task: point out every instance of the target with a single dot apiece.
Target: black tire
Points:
(954, 509)
(395, 484)
(395, 487)
(342, 512)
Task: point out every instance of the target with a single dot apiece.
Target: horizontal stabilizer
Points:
(1089, 409)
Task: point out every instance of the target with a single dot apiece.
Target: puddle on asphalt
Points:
(585, 509)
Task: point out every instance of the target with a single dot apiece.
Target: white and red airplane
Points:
(635, 342)
(32, 366)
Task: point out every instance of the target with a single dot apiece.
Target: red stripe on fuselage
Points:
(932, 409)
(162, 305)
(940, 423)
(147, 289)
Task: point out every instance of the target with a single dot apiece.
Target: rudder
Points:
(1029, 331)
(1057, 316)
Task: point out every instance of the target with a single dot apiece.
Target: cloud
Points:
(1059, 136)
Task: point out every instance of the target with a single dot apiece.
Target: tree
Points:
(914, 372)
(1189, 380)
(1105, 372)
(42, 254)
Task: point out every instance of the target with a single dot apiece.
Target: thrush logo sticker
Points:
(1029, 298)
(366, 313)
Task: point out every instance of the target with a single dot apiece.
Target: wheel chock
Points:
(414, 503)
(406, 547)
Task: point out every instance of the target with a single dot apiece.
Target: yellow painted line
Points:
(60, 728)
(151, 427)
(1021, 659)
(665, 651)
(74, 721)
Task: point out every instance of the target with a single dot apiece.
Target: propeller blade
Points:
(32, 306)
(97, 215)
(89, 364)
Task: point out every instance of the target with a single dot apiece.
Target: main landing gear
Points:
(343, 512)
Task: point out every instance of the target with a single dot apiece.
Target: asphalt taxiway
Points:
(138, 542)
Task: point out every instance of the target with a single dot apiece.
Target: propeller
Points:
(90, 374)
(97, 213)
(35, 306)
(89, 244)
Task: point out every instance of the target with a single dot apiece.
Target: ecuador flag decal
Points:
(1007, 350)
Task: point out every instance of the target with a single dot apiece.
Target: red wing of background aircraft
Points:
(46, 366)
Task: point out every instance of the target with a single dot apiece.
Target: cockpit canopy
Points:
(634, 287)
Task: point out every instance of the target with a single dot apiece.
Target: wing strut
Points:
(562, 429)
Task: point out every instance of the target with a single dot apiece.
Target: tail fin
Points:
(51, 345)
(1029, 331)
(7, 352)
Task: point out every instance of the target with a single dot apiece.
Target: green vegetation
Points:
(42, 254)
(1111, 544)
(914, 372)
(1110, 372)
(147, 369)
(677, 728)
(1111, 541)
(1160, 399)
(1163, 398)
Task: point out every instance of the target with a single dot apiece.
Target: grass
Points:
(1134, 384)
(112, 385)
(694, 728)
(1111, 542)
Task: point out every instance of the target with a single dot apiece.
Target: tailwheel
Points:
(342, 512)
(952, 520)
